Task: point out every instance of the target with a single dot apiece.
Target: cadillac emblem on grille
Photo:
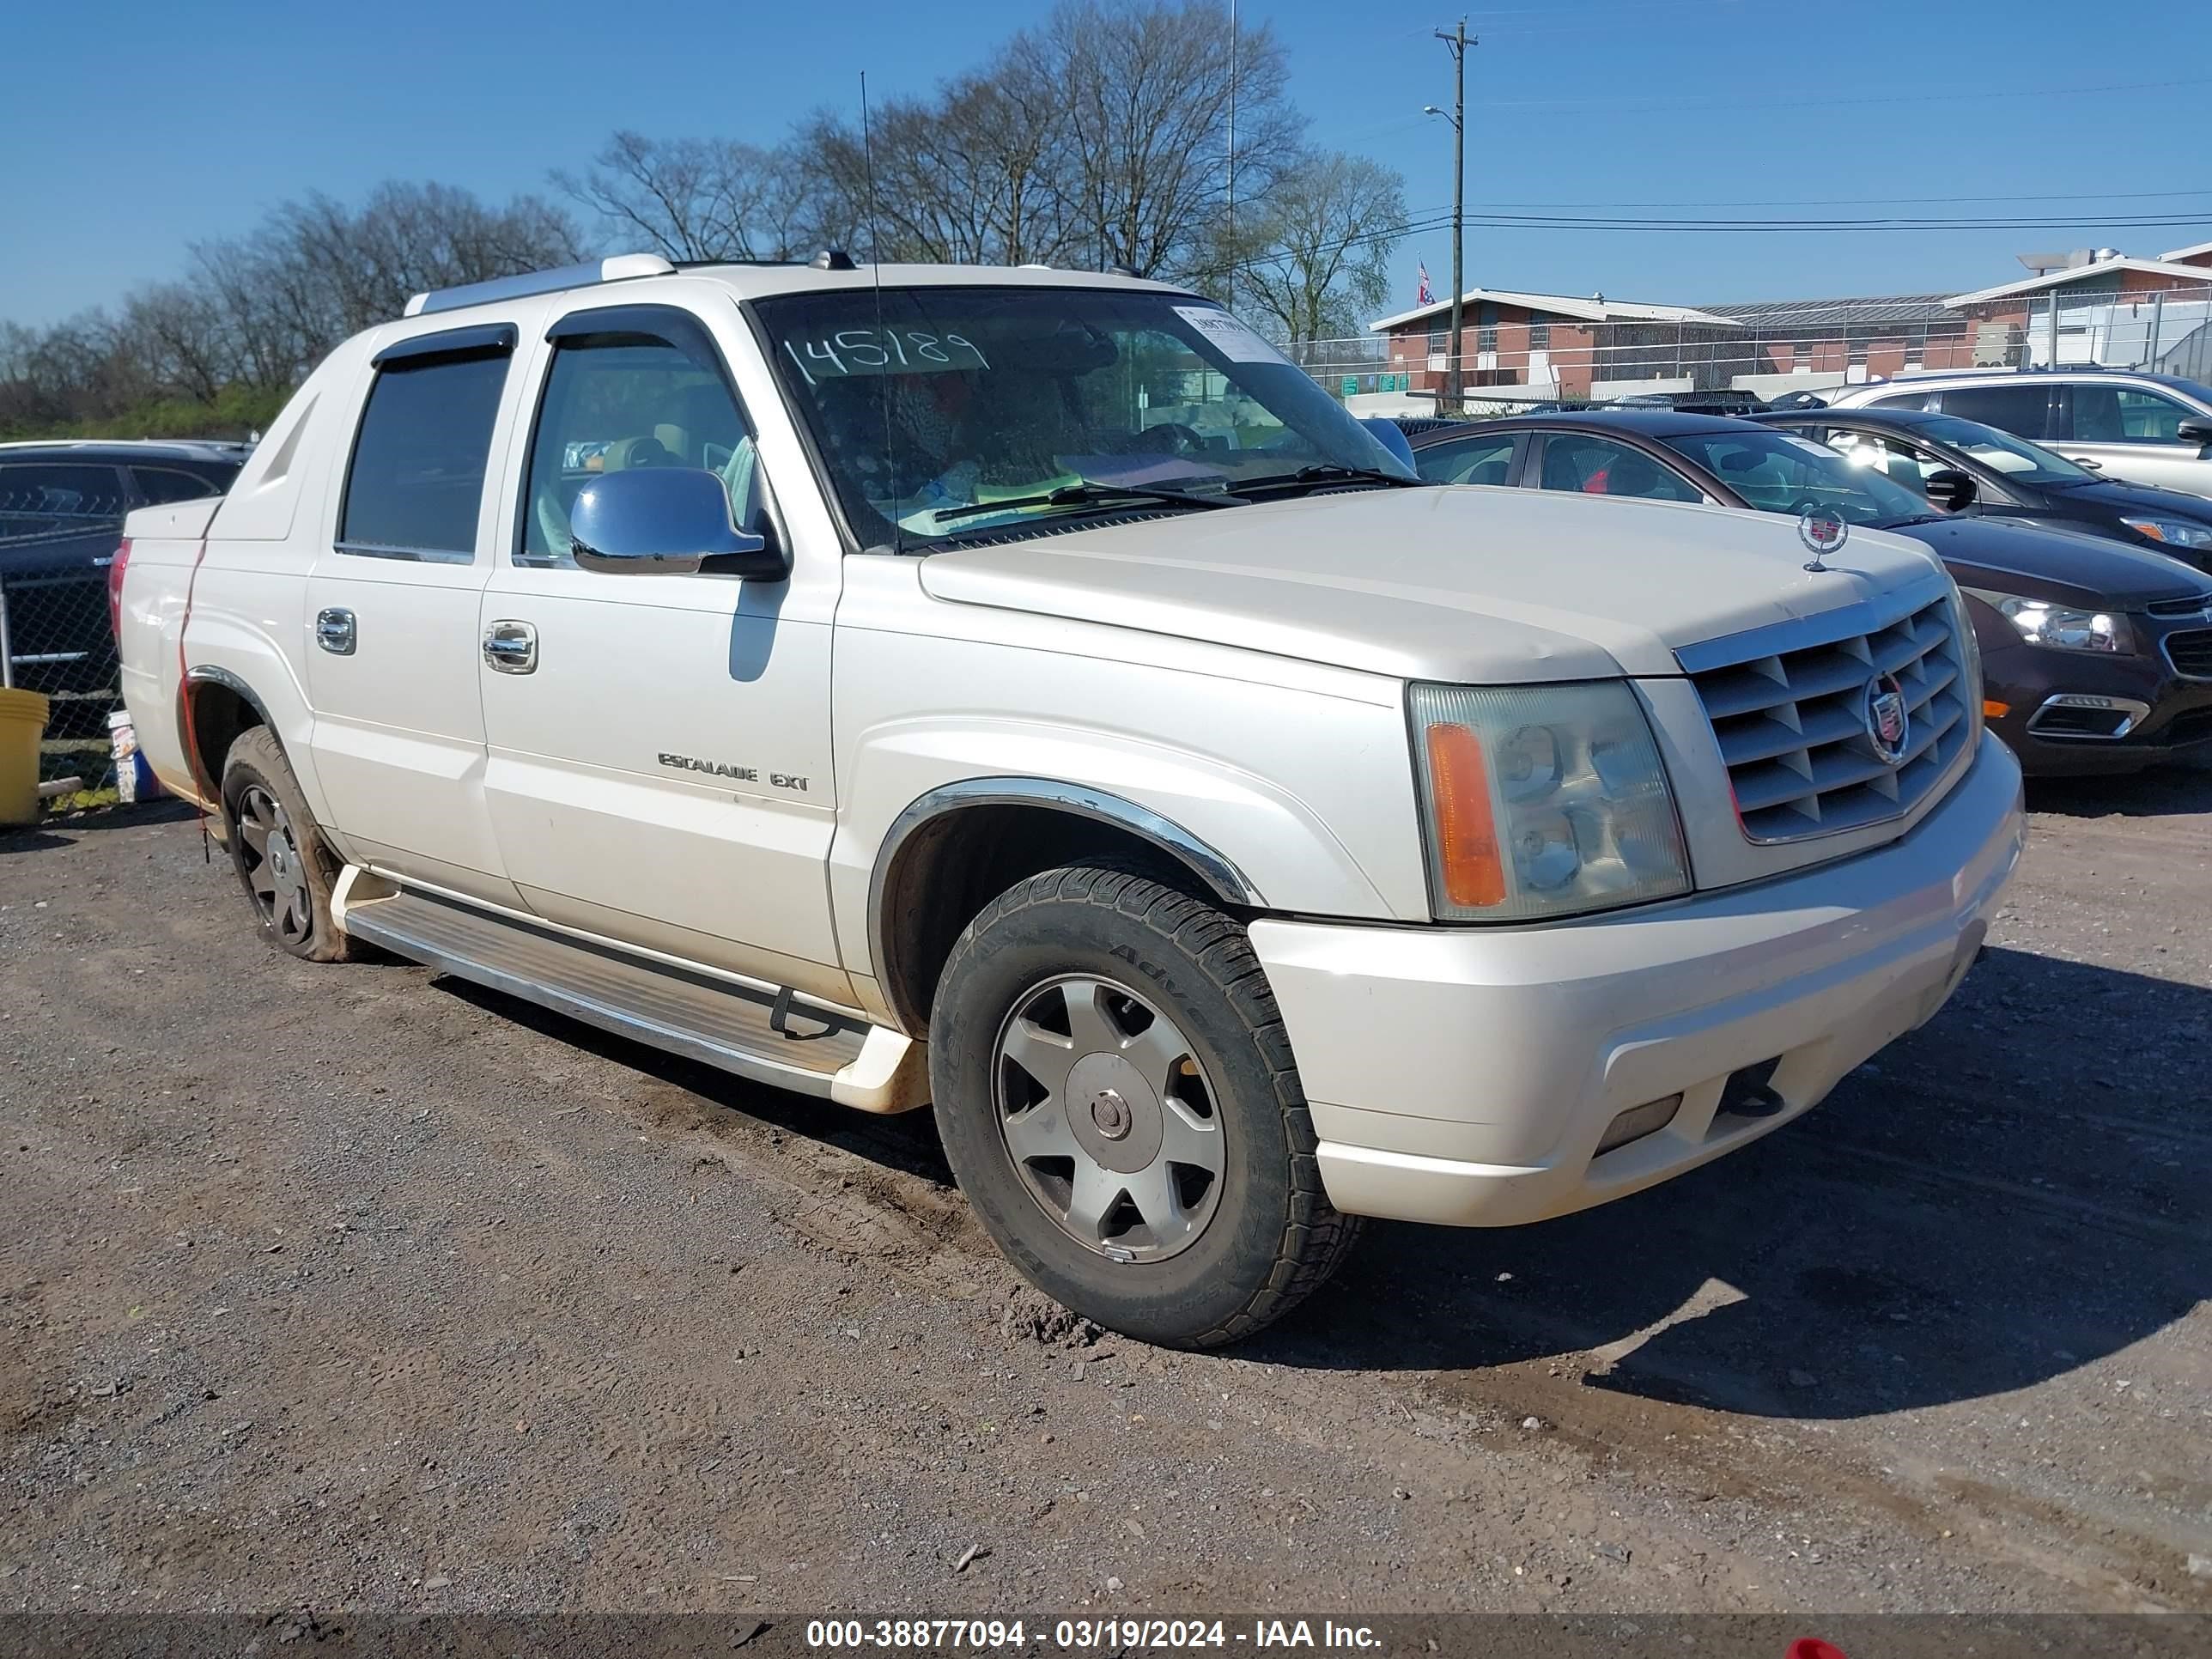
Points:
(1888, 721)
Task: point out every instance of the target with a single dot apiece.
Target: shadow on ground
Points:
(61, 831)
(1999, 1198)
(2167, 791)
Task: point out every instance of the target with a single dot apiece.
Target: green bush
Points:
(238, 411)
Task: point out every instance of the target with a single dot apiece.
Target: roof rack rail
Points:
(615, 269)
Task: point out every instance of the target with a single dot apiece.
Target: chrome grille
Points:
(1789, 709)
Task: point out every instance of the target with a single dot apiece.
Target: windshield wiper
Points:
(1087, 494)
(1327, 473)
(1917, 518)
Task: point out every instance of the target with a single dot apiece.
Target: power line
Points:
(1816, 105)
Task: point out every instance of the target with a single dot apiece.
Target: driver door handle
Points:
(511, 647)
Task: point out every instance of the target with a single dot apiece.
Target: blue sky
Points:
(146, 124)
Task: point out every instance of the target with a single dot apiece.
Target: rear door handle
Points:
(510, 647)
(334, 631)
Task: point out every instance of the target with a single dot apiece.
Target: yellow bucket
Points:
(22, 724)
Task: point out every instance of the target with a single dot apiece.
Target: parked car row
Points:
(2096, 645)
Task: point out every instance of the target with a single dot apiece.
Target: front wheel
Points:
(1118, 1100)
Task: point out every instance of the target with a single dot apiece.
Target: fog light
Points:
(1638, 1121)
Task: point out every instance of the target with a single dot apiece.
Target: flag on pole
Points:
(1426, 297)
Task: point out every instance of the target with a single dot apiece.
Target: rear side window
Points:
(159, 485)
(417, 478)
(1475, 461)
(41, 497)
(2018, 409)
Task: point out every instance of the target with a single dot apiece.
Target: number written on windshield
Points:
(869, 350)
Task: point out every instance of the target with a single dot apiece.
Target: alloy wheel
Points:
(1109, 1118)
(271, 859)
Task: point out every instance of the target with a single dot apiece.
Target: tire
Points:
(283, 863)
(1220, 1225)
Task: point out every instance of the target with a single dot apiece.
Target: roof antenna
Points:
(876, 271)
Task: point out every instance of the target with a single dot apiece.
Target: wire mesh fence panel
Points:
(58, 642)
(1763, 350)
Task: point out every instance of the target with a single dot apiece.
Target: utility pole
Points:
(1229, 298)
(1457, 43)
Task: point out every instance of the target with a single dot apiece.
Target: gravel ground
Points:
(356, 1288)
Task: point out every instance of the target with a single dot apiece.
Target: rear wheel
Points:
(1117, 1097)
(286, 868)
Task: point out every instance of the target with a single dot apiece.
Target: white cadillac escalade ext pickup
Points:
(1025, 691)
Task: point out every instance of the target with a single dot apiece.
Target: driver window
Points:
(615, 403)
(2124, 414)
(1599, 466)
(1880, 451)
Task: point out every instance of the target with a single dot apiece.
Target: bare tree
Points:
(692, 199)
(257, 312)
(1316, 259)
(1147, 91)
(976, 175)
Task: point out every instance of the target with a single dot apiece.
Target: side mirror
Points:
(666, 521)
(2197, 429)
(1392, 437)
(1952, 490)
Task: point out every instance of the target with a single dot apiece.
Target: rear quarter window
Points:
(417, 482)
(159, 486)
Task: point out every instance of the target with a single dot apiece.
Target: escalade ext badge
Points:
(716, 768)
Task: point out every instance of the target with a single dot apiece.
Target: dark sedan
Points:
(2097, 657)
(2012, 478)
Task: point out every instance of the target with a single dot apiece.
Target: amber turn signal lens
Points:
(1994, 710)
(1467, 833)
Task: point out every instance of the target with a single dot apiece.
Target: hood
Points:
(1470, 585)
(2045, 562)
(2125, 497)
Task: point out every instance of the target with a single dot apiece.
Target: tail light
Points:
(115, 589)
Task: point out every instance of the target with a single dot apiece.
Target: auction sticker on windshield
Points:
(1227, 336)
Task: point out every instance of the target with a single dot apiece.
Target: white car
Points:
(1027, 692)
(2129, 425)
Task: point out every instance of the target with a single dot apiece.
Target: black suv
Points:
(61, 515)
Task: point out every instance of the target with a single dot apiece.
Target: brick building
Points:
(1542, 340)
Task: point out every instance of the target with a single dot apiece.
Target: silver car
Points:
(2146, 428)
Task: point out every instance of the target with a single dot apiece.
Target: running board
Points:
(757, 1031)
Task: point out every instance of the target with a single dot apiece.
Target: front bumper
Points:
(1465, 1076)
(2176, 723)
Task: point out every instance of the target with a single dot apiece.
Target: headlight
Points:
(2177, 532)
(1542, 801)
(2041, 622)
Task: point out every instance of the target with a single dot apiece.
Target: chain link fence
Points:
(1513, 358)
(56, 639)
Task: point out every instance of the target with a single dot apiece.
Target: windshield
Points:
(1781, 472)
(966, 412)
(2001, 452)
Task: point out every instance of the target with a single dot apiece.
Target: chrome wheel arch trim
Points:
(1221, 876)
